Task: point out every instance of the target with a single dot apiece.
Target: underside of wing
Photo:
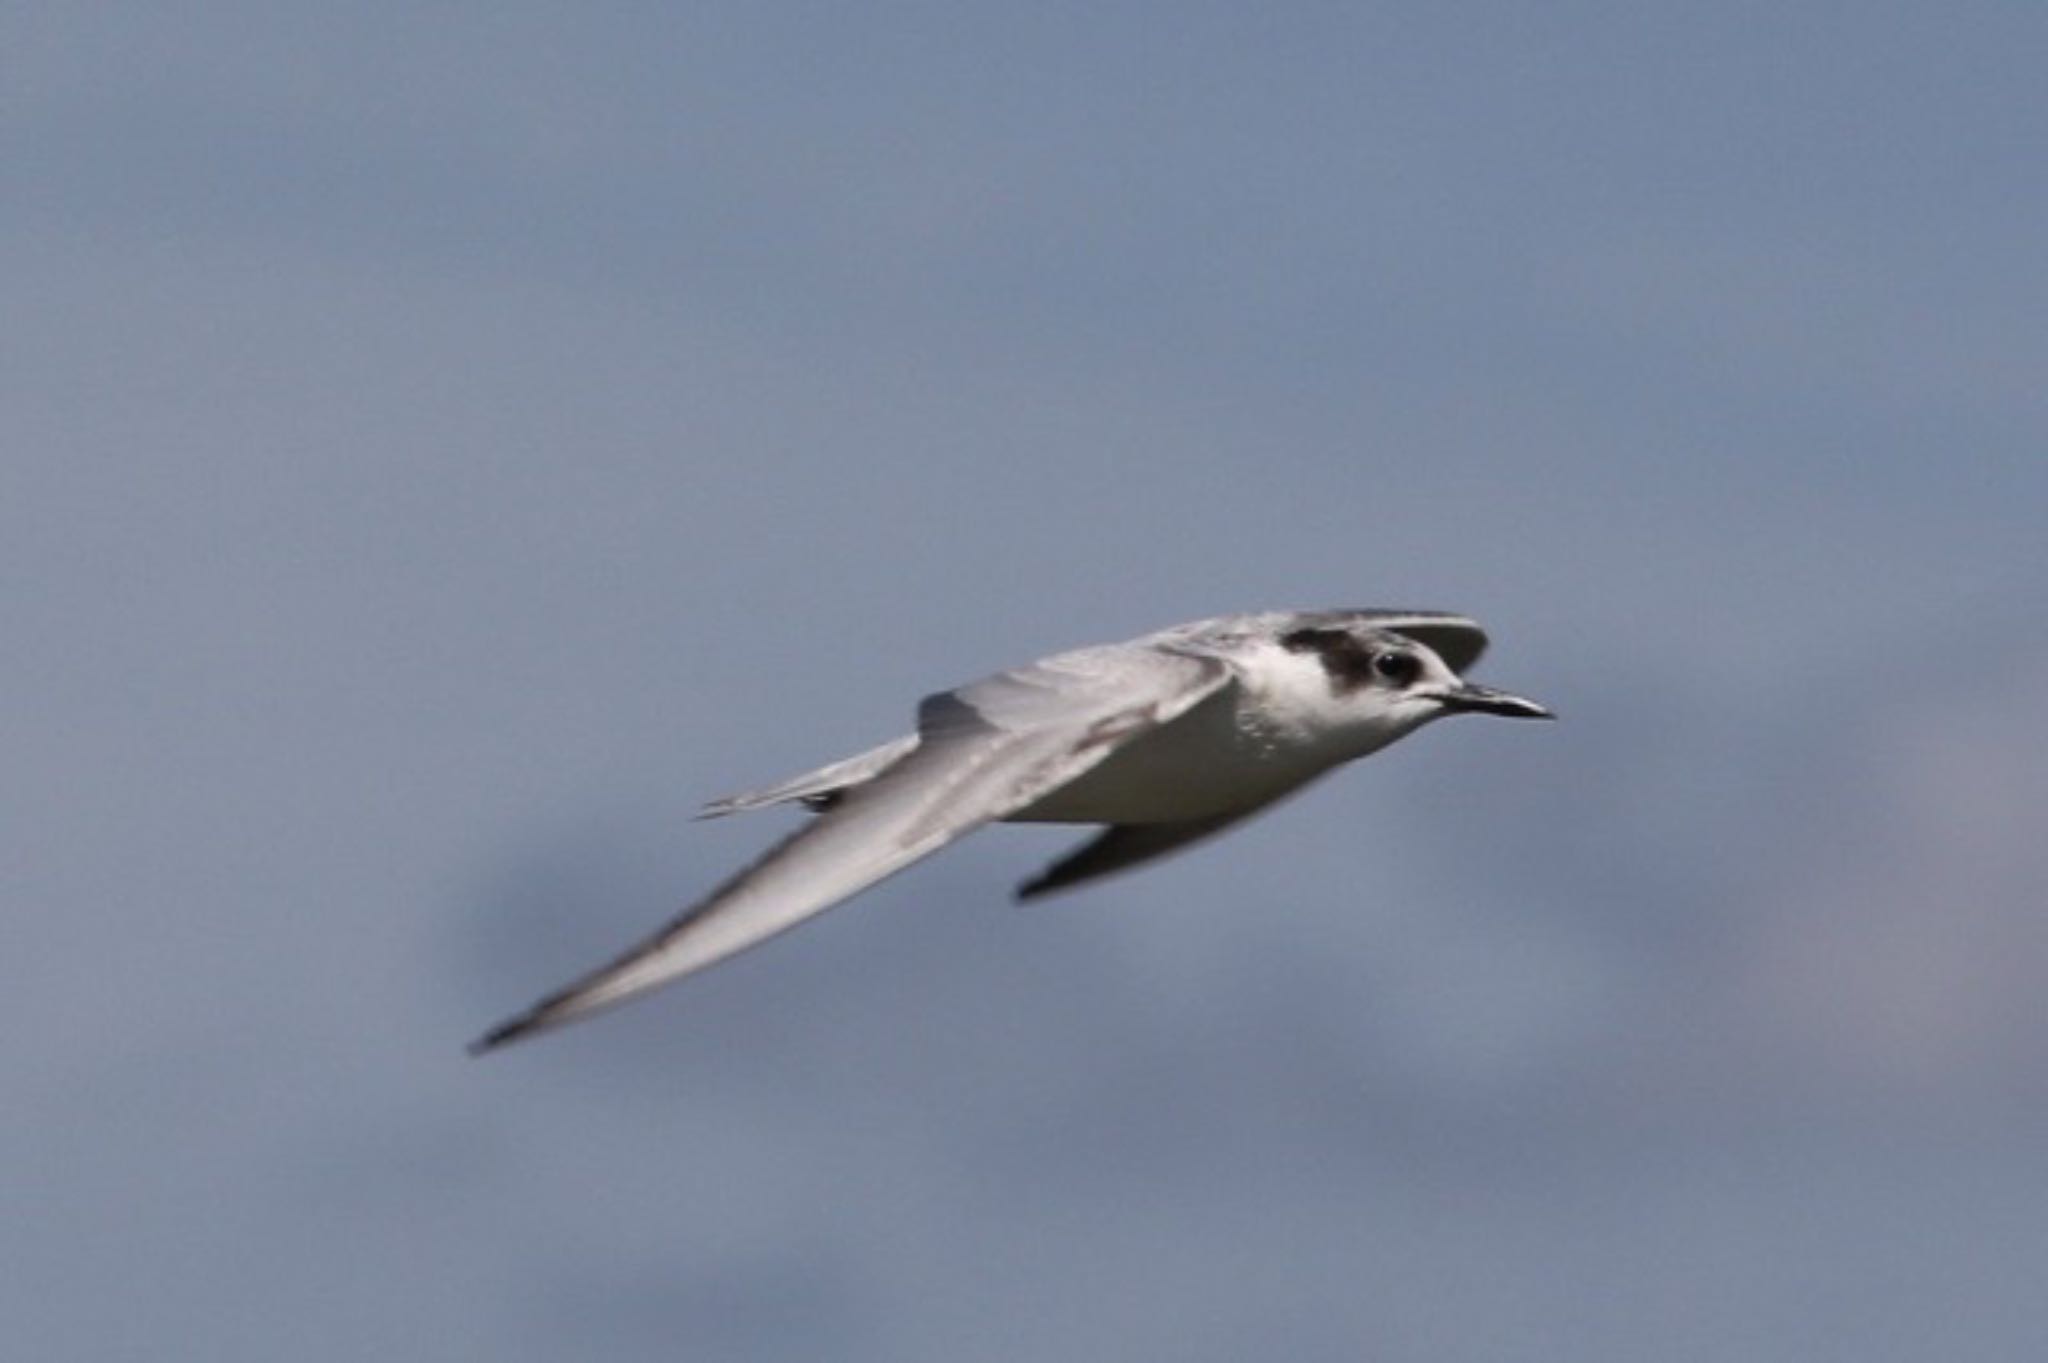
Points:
(981, 753)
(1118, 848)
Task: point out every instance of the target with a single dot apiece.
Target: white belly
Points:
(1204, 764)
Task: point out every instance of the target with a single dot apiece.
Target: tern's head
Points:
(1388, 682)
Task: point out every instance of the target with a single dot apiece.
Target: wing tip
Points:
(1051, 881)
(548, 1013)
(503, 1034)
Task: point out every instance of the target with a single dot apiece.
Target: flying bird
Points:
(1166, 740)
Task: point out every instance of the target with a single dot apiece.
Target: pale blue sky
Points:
(442, 447)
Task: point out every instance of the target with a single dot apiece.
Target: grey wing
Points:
(1120, 847)
(1456, 639)
(983, 752)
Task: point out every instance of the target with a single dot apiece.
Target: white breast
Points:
(1221, 757)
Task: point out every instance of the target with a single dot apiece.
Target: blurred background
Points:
(443, 445)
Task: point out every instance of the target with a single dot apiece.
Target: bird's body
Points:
(1216, 759)
(1233, 751)
(1166, 739)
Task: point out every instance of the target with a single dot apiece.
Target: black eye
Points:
(1398, 668)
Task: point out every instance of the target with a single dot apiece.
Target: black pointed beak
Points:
(1484, 700)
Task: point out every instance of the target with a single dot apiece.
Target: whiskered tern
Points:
(1166, 739)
